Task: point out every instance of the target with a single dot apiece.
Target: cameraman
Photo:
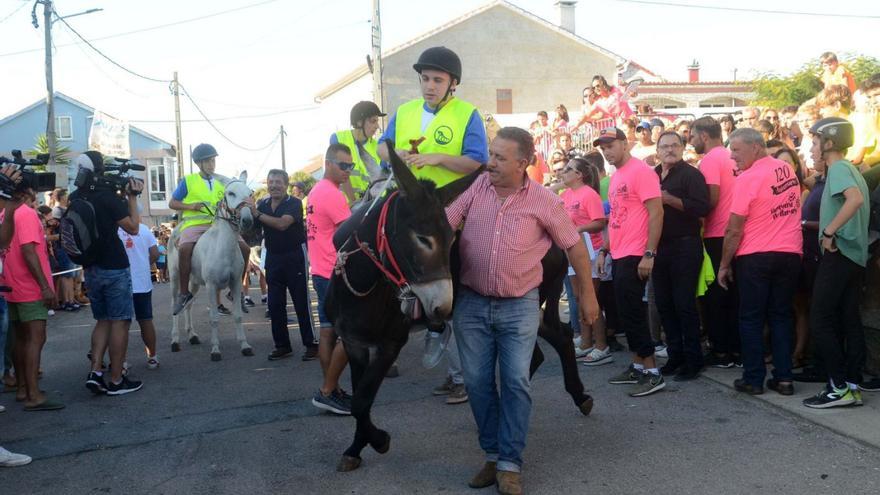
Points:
(108, 279)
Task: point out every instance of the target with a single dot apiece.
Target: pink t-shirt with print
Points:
(28, 230)
(583, 206)
(768, 194)
(718, 169)
(326, 209)
(631, 185)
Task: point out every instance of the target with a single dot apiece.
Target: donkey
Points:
(216, 264)
(394, 268)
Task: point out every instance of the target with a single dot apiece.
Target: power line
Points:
(216, 129)
(758, 11)
(153, 28)
(13, 12)
(99, 52)
(234, 117)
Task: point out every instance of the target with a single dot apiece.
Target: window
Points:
(504, 101)
(64, 128)
(158, 180)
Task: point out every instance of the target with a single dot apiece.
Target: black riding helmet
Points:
(442, 59)
(835, 129)
(363, 110)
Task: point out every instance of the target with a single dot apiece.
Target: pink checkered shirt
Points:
(502, 242)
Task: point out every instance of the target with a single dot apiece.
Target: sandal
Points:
(47, 405)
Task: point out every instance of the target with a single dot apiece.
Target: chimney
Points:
(566, 14)
(694, 72)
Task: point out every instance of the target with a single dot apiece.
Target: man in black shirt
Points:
(284, 233)
(108, 279)
(679, 260)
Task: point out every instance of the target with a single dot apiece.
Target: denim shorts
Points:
(109, 293)
(143, 306)
(320, 284)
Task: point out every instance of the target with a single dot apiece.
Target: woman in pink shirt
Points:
(610, 103)
(584, 207)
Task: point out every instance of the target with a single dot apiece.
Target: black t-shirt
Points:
(109, 209)
(281, 242)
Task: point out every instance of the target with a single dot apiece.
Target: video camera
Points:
(38, 181)
(114, 177)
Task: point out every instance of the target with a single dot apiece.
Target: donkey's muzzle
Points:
(436, 298)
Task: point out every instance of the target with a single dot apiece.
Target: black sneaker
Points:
(249, 302)
(671, 367)
(311, 353)
(125, 387)
(182, 302)
(333, 403)
(223, 310)
(95, 383)
(830, 397)
(870, 385)
(277, 354)
(724, 361)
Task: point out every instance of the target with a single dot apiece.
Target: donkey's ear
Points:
(449, 192)
(406, 181)
(243, 176)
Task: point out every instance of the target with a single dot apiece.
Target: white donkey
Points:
(217, 264)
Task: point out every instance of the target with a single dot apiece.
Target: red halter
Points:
(383, 248)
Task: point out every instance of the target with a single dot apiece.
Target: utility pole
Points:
(175, 88)
(283, 156)
(50, 92)
(378, 95)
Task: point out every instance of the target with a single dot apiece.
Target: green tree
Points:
(300, 176)
(41, 146)
(777, 91)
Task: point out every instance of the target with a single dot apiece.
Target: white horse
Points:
(217, 264)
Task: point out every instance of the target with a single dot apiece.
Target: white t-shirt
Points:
(137, 247)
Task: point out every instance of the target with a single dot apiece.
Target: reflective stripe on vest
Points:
(360, 177)
(445, 134)
(197, 192)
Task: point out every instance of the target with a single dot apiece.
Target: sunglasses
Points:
(344, 166)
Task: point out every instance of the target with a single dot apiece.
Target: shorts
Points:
(320, 283)
(192, 234)
(63, 263)
(143, 305)
(109, 293)
(27, 311)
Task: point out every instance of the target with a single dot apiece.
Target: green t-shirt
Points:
(852, 237)
(603, 187)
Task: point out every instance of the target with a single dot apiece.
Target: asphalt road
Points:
(246, 425)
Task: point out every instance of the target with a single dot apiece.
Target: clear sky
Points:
(273, 56)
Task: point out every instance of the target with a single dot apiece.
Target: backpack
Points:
(79, 232)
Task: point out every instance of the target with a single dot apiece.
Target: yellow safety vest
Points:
(445, 134)
(197, 192)
(360, 177)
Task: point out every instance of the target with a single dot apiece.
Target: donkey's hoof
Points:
(247, 351)
(194, 340)
(586, 406)
(175, 347)
(348, 463)
(215, 356)
(383, 444)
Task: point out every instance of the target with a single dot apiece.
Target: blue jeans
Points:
(492, 330)
(767, 283)
(109, 293)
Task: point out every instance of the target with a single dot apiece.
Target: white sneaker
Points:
(597, 357)
(153, 362)
(577, 341)
(660, 352)
(579, 353)
(11, 459)
(51, 313)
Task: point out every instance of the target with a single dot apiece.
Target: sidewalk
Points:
(858, 423)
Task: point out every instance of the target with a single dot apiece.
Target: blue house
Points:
(73, 120)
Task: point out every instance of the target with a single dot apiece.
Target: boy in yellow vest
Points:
(447, 132)
(364, 118)
(196, 197)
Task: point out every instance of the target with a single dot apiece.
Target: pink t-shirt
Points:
(28, 230)
(769, 196)
(631, 185)
(326, 209)
(583, 206)
(718, 169)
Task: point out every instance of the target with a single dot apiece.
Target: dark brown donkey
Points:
(394, 269)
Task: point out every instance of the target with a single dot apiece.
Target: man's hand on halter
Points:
(200, 206)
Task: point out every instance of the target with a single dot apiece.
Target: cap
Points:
(655, 122)
(644, 125)
(609, 134)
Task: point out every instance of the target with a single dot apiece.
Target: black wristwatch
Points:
(650, 254)
(825, 234)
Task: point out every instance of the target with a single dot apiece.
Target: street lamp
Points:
(48, 21)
